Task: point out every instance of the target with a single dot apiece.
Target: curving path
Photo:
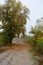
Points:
(19, 55)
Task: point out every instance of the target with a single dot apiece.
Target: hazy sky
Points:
(36, 11)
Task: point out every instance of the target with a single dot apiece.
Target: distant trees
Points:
(37, 37)
(14, 17)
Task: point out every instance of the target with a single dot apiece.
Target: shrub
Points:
(39, 46)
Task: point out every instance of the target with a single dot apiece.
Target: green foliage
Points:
(2, 42)
(14, 17)
(39, 46)
(31, 40)
(37, 38)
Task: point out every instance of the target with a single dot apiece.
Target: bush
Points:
(39, 46)
(1, 40)
(31, 41)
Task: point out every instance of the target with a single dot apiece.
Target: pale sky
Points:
(36, 11)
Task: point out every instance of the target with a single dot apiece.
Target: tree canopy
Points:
(14, 17)
(37, 37)
(38, 29)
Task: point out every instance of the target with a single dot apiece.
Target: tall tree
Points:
(14, 17)
(37, 31)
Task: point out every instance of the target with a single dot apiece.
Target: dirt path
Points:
(19, 55)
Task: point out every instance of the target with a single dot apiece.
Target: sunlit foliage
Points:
(14, 17)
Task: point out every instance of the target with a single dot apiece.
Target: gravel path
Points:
(16, 57)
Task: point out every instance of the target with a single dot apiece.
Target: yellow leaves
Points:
(19, 5)
(15, 16)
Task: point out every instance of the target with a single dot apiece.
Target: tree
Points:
(38, 36)
(14, 17)
(37, 31)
